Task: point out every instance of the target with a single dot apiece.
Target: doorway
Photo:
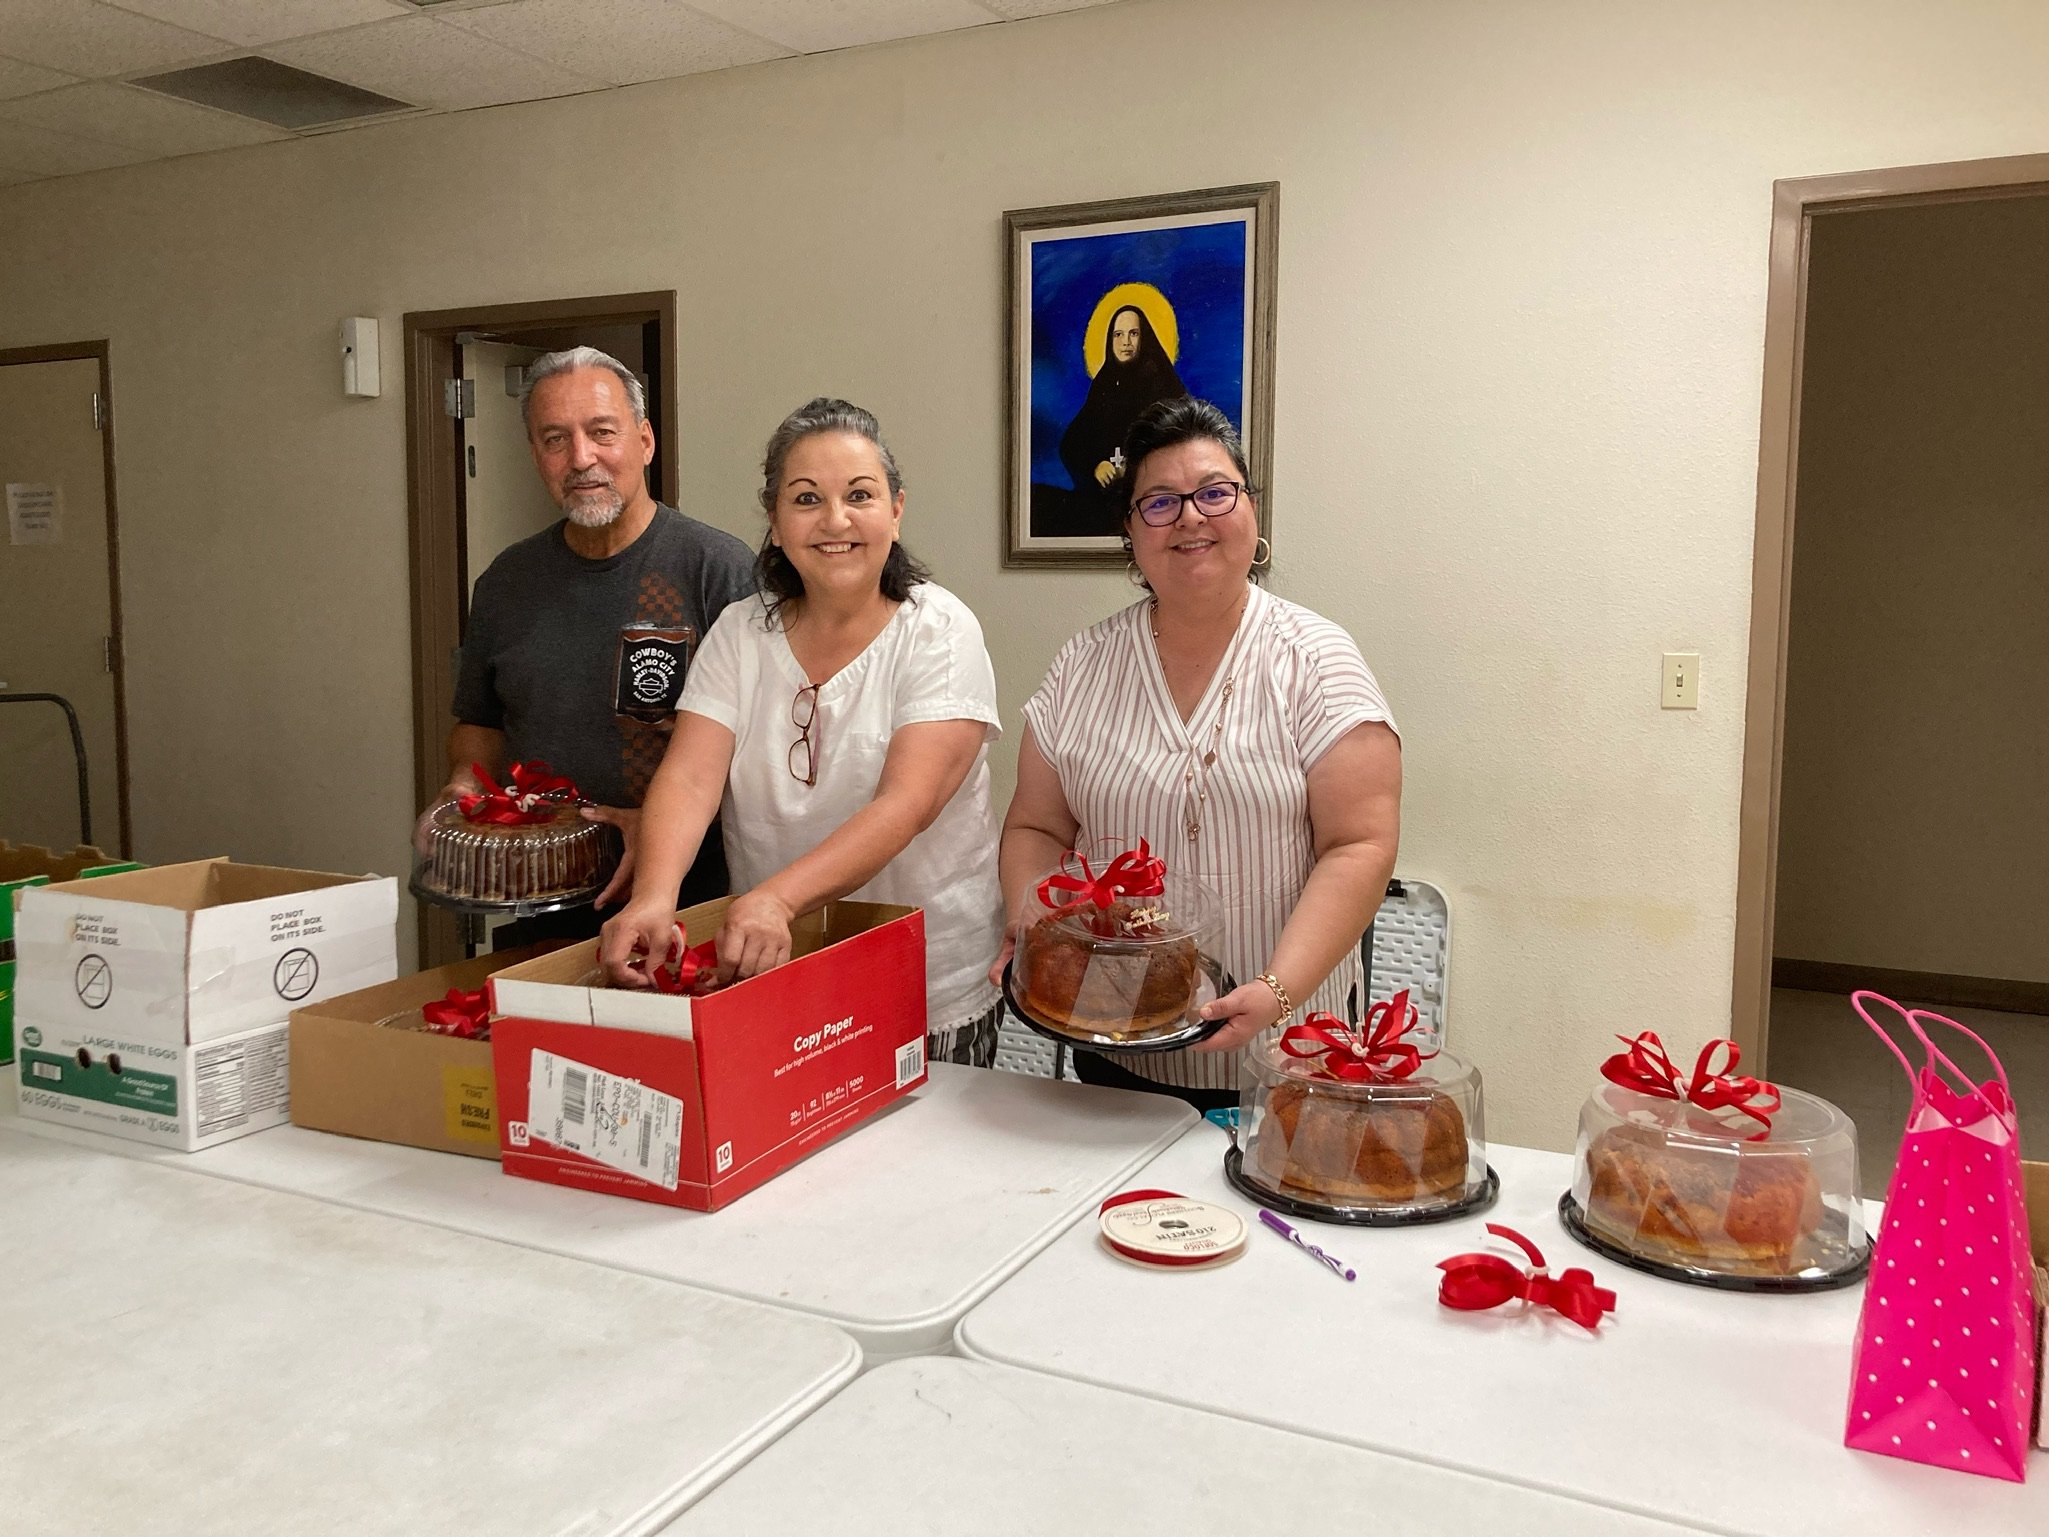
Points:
(1896, 777)
(63, 708)
(473, 490)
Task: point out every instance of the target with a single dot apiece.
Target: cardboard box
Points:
(357, 1076)
(696, 1101)
(32, 865)
(153, 1005)
(2037, 1176)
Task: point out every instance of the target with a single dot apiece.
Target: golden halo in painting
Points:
(1149, 302)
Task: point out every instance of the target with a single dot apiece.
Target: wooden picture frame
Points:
(1110, 306)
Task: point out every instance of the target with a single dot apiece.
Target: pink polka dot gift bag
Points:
(1945, 1360)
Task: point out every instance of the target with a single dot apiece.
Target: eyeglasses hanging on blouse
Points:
(804, 715)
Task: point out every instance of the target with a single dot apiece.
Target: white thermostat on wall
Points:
(359, 355)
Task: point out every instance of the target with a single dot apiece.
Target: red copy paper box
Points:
(695, 1101)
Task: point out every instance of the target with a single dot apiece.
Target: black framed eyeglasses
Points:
(804, 715)
(1160, 508)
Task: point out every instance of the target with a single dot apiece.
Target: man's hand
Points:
(755, 935)
(627, 820)
(447, 795)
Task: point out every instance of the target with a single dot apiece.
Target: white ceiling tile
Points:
(619, 41)
(89, 40)
(254, 22)
(1017, 10)
(18, 79)
(416, 59)
(42, 153)
(137, 119)
(813, 26)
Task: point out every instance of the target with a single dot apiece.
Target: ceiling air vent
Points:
(273, 93)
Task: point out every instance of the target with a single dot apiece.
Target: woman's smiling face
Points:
(1192, 551)
(835, 516)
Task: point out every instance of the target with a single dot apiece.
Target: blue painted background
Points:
(1202, 272)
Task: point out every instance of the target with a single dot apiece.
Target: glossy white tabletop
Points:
(892, 1232)
(944, 1446)
(1718, 1409)
(191, 1355)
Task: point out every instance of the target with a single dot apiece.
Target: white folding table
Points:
(188, 1355)
(1717, 1409)
(891, 1232)
(946, 1446)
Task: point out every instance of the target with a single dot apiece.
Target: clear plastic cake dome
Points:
(1717, 1196)
(558, 860)
(1317, 1144)
(1120, 970)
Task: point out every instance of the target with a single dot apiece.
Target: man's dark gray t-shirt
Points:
(540, 656)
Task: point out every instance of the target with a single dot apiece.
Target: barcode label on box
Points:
(620, 1122)
(910, 1062)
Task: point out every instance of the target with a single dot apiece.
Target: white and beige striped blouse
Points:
(1290, 685)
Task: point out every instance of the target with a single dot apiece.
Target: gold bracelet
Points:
(1280, 992)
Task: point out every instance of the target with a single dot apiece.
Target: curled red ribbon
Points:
(1475, 1282)
(1133, 873)
(1647, 1069)
(460, 1014)
(1373, 1053)
(685, 971)
(532, 795)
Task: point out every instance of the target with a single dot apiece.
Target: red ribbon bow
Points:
(461, 1014)
(1374, 1053)
(1646, 1068)
(531, 797)
(685, 971)
(1133, 873)
(1475, 1282)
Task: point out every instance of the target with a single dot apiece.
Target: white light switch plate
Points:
(1679, 686)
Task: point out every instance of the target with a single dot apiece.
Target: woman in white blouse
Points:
(1240, 734)
(844, 723)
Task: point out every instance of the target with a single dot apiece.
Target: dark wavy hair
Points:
(1167, 424)
(774, 574)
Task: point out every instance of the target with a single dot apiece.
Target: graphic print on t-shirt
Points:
(658, 603)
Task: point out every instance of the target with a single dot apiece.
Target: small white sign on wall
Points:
(35, 514)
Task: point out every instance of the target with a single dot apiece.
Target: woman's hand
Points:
(627, 820)
(755, 935)
(1249, 1010)
(646, 929)
(1003, 956)
(1105, 473)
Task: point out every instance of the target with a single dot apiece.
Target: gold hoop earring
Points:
(1262, 561)
(1135, 576)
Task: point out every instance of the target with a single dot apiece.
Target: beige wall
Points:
(1914, 816)
(1521, 321)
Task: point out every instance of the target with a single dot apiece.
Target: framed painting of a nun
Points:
(1113, 306)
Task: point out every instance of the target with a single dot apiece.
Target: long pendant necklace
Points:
(1195, 776)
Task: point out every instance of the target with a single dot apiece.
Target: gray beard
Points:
(585, 512)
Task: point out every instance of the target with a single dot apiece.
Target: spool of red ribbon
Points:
(532, 795)
(1133, 873)
(460, 1014)
(1375, 1052)
(1475, 1282)
(1646, 1068)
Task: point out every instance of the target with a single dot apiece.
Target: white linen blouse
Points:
(928, 664)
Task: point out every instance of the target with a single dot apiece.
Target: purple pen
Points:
(1337, 1267)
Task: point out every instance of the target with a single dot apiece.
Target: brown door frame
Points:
(69, 352)
(435, 509)
(1796, 204)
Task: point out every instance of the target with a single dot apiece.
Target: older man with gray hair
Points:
(579, 636)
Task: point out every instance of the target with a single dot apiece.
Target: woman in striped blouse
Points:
(1239, 734)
